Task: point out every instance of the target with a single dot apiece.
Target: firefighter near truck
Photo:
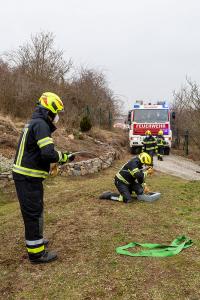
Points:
(153, 117)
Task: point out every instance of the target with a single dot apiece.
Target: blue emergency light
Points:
(166, 131)
(136, 105)
(165, 105)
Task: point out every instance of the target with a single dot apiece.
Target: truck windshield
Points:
(151, 115)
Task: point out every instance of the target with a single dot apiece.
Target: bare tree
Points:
(36, 67)
(187, 106)
(90, 89)
(39, 60)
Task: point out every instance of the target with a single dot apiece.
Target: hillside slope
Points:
(64, 140)
(85, 232)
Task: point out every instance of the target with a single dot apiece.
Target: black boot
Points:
(106, 195)
(45, 258)
(128, 201)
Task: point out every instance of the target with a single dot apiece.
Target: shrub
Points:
(85, 124)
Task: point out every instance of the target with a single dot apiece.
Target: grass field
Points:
(85, 232)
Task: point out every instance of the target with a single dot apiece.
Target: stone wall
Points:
(89, 166)
(5, 164)
(81, 168)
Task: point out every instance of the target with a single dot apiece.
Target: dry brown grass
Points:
(10, 129)
(8, 136)
(116, 137)
(85, 232)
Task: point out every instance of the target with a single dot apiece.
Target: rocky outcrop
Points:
(5, 164)
(80, 168)
(89, 166)
(5, 167)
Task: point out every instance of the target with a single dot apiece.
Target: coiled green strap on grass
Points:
(157, 250)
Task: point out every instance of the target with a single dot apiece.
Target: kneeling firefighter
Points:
(34, 154)
(131, 178)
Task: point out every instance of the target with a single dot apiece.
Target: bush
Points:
(85, 124)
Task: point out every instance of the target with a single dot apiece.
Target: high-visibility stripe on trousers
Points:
(30, 195)
(126, 190)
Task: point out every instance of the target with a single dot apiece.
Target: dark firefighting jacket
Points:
(160, 140)
(35, 149)
(132, 171)
(149, 143)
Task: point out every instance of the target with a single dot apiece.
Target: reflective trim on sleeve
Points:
(60, 155)
(35, 250)
(132, 172)
(160, 143)
(150, 148)
(44, 142)
(119, 176)
(21, 148)
(29, 172)
(148, 142)
(33, 243)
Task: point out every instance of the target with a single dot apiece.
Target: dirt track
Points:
(178, 166)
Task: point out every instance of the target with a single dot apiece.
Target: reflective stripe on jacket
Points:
(35, 149)
(131, 171)
(160, 140)
(149, 143)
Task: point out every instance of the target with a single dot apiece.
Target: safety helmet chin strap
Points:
(56, 119)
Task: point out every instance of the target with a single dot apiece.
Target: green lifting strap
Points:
(158, 250)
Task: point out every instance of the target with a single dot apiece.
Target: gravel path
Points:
(178, 166)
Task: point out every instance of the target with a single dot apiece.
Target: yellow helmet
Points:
(160, 132)
(148, 132)
(145, 158)
(51, 102)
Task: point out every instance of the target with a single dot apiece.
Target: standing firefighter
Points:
(34, 154)
(149, 144)
(160, 144)
(131, 178)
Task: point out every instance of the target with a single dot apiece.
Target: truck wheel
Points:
(166, 151)
(138, 150)
(135, 150)
(132, 150)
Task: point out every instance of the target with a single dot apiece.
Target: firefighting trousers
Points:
(160, 150)
(126, 190)
(151, 152)
(30, 195)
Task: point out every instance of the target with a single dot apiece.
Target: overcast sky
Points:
(145, 47)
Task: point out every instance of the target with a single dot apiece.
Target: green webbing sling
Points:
(159, 250)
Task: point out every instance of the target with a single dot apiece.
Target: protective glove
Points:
(54, 170)
(64, 158)
(146, 189)
(71, 156)
(150, 171)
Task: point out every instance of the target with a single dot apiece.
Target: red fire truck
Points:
(153, 117)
